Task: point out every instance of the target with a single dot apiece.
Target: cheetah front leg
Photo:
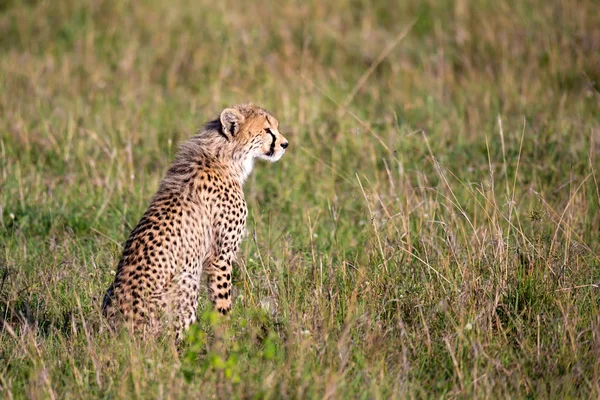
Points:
(219, 282)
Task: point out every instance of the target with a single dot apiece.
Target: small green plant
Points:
(218, 353)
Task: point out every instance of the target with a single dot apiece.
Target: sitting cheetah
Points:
(194, 223)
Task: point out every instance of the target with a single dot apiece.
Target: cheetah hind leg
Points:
(182, 304)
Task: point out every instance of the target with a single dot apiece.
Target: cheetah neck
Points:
(247, 166)
(209, 149)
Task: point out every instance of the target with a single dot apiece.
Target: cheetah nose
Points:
(285, 145)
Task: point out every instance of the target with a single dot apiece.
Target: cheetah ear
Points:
(231, 120)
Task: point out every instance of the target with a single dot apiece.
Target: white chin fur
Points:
(272, 158)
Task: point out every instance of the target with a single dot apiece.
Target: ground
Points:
(433, 229)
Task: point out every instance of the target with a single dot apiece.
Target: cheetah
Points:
(194, 224)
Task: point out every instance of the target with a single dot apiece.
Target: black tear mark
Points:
(272, 148)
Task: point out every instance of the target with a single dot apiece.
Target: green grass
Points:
(433, 230)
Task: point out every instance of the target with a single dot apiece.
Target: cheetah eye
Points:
(268, 130)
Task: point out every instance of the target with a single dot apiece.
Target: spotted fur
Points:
(194, 224)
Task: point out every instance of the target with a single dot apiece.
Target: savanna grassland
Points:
(432, 231)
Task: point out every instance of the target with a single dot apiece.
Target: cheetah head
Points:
(254, 131)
